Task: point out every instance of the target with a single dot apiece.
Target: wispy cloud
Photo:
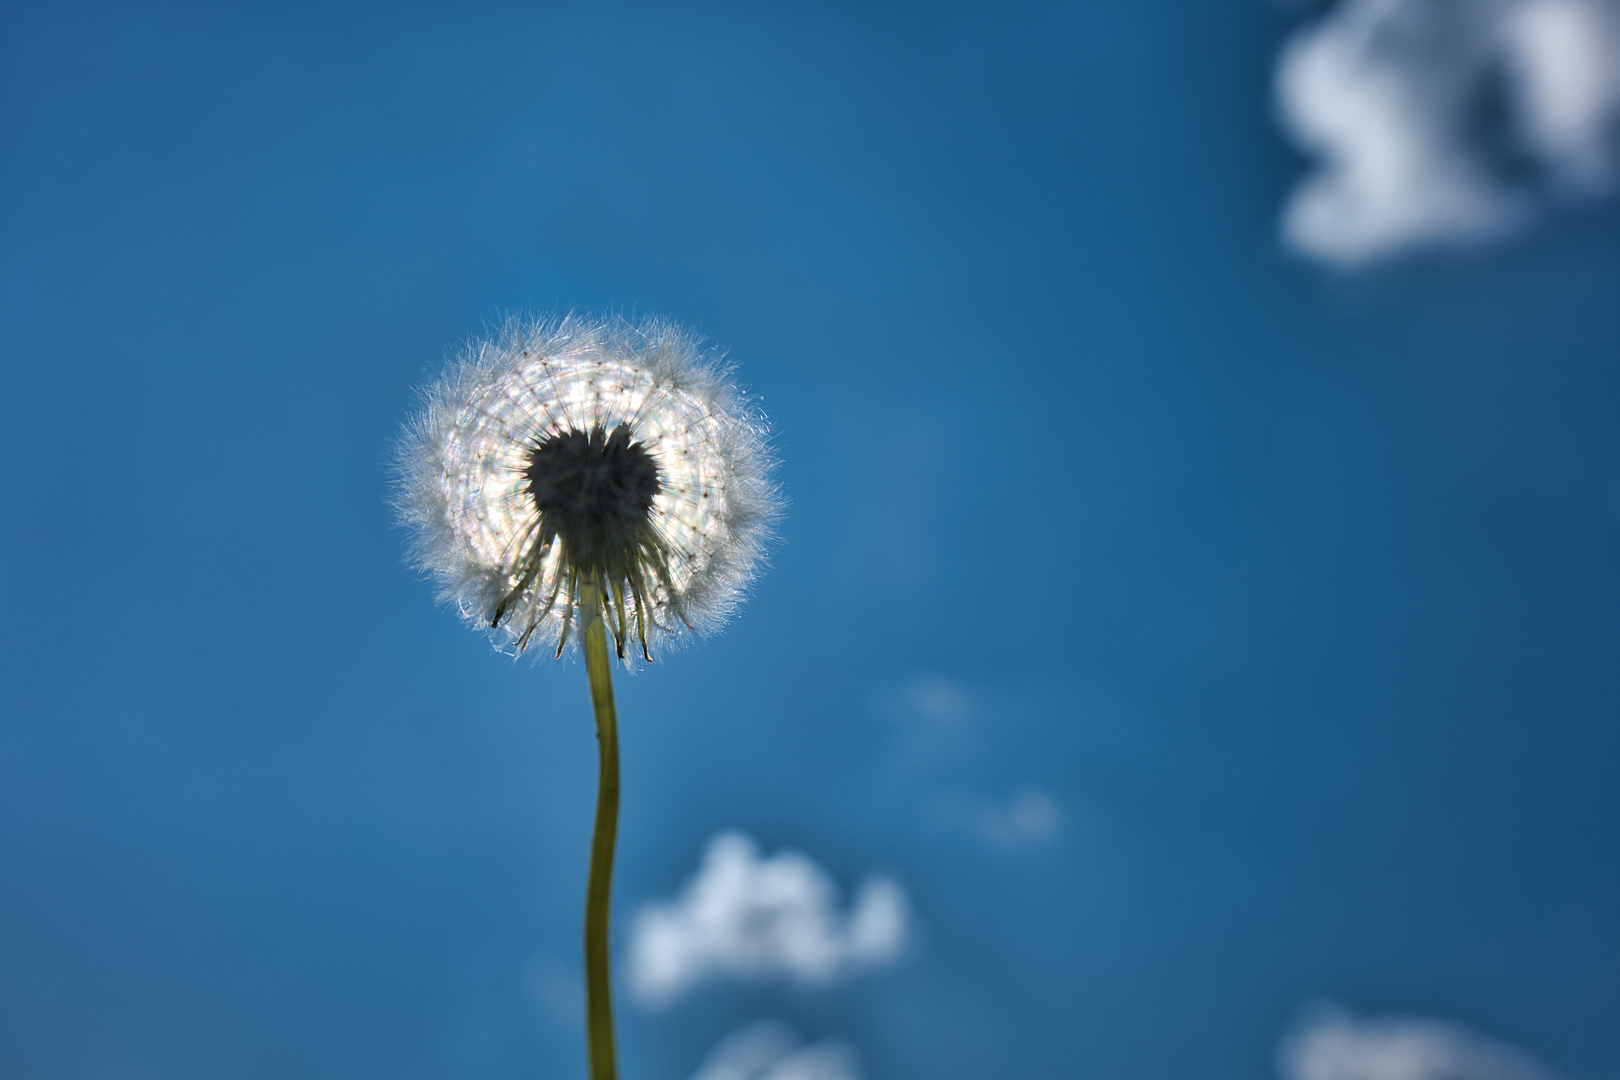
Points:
(1029, 817)
(754, 918)
(1439, 122)
(1331, 1044)
(927, 700)
(934, 720)
(770, 1050)
(558, 989)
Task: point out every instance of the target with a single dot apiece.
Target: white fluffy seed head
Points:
(538, 393)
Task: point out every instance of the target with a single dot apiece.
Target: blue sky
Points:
(1290, 592)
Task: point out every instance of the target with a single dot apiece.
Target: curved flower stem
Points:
(598, 993)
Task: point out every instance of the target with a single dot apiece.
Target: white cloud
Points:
(1446, 121)
(752, 918)
(1331, 1044)
(1565, 57)
(770, 1050)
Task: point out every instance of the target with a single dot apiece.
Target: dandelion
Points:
(578, 480)
(566, 455)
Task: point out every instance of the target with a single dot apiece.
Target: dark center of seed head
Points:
(594, 488)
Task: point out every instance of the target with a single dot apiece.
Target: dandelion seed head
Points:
(560, 453)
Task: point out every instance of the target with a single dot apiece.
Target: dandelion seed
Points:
(570, 453)
(600, 476)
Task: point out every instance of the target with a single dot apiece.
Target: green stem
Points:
(598, 891)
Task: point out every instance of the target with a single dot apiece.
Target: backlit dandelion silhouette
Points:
(579, 479)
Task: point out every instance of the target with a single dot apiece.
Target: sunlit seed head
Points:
(578, 452)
